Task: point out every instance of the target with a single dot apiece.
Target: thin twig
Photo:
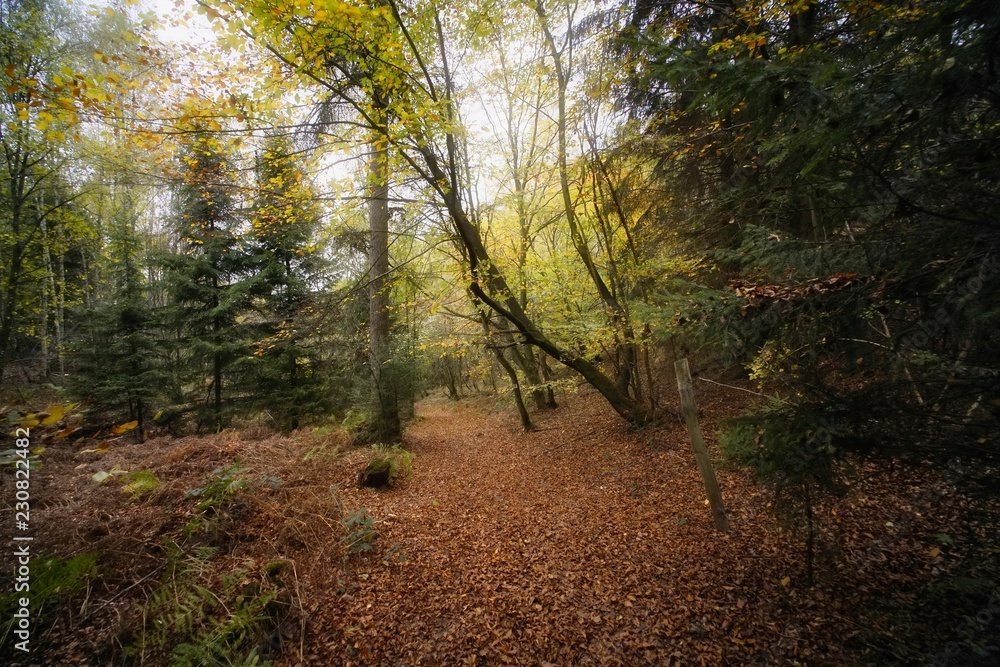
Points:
(121, 593)
(302, 616)
(755, 393)
(599, 533)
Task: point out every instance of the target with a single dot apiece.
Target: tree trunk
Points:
(216, 358)
(518, 398)
(524, 358)
(550, 396)
(47, 288)
(378, 292)
(60, 319)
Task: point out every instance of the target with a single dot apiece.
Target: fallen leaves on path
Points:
(576, 544)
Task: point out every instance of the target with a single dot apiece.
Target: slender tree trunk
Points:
(550, 396)
(378, 291)
(650, 385)
(452, 384)
(810, 535)
(619, 316)
(47, 286)
(43, 325)
(140, 432)
(524, 358)
(216, 358)
(518, 398)
(60, 311)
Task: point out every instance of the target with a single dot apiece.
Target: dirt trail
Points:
(577, 544)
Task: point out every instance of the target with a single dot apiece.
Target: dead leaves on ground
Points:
(582, 543)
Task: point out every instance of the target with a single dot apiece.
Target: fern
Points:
(51, 579)
(208, 622)
(140, 483)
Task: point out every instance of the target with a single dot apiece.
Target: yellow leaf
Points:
(123, 428)
(56, 413)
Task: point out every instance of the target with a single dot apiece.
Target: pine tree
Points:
(207, 277)
(284, 377)
(117, 361)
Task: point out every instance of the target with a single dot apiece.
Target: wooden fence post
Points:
(690, 411)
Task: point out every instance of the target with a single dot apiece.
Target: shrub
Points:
(393, 458)
(794, 446)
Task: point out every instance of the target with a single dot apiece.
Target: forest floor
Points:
(581, 543)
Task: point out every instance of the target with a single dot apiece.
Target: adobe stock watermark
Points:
(923, 332)
(971, 632)
(21, 622)
(928, 329)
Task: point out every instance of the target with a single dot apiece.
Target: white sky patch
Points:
(180, 23)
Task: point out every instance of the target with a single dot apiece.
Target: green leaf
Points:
(944, 538)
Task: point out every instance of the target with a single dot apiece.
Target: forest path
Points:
(577, 544)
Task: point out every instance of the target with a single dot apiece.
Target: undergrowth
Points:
(393, 458)
(359, 532)
(140, 483)
(52, 580)
(216, 497)
(207, 618)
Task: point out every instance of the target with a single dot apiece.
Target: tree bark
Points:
(378, 292)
